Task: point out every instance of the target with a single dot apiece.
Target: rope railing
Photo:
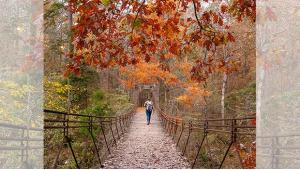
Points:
(106, 124)
(232, 126)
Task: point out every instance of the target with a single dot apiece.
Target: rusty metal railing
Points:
(67, 122)
(20, 139)
(234, 127)
(278, 149)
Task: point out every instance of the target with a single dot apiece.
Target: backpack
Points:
(149, 107)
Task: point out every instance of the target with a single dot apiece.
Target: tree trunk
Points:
(224, 83)
(223, 96)
(71, 50)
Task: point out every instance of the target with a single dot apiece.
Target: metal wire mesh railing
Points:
(19, 141)
(110, 128)
(279, 150)
(234, 128)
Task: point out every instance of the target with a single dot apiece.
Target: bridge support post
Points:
(204, 136)
(182, 128)
(120, 123)
(232, 140)
(112, 132)
(103, 133)
(68, 140)
(116, 121)
(187, 140)
(93, 139)
(175, 129)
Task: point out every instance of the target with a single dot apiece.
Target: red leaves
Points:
(253, 122)
(215, 18)
(230, 37)
(147, 58)
(201, 71)
(224, 8)
(206, 17)
(207, 44)
(175, 48)
(71, 68)
(134, 61)
(243, 8)
(148, 29)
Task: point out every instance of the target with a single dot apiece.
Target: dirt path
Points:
(145, 146)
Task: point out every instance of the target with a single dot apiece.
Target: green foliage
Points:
(203, 156)
(105, 2)
(84, 86)
(98, 105)
(86, 98)
(52, 12)
(243, 99)
(137, 23)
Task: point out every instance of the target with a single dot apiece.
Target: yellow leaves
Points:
(16, 90)
(148, 29)
(16, 93)
(57, 86)
(105, 2)
(90, 37)
(56, 92)
(136, 49)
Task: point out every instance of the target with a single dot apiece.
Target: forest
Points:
(197, 56)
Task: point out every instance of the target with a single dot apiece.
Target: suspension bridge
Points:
(125, 141)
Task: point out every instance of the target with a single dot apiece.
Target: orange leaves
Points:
(175, 48)
(224, 8)
(169, 78)
(193, 94)
(168, 55)
(195, 90)
(71, 68)
(184, 68)
(185, 99)
(247, 154)
(146, 73)
(111, 31)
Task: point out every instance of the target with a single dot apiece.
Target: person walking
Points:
(149, 108)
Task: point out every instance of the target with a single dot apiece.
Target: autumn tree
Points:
(109, 33)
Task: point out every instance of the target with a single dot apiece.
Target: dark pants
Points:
(148, 115)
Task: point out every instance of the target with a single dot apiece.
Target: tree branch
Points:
(139, 10)
(198, 21)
